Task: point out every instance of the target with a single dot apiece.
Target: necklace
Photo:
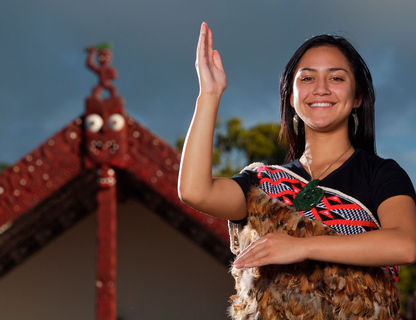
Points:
(310, 195)
(327, 167)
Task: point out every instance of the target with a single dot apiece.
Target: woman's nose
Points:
(321, 87)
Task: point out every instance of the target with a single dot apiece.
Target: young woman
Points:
(327, 109)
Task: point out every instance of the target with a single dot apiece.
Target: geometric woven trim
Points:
(330, 190)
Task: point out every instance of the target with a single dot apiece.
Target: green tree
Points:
(407, 285)
(236, 146)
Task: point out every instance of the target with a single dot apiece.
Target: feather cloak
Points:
(307, 290)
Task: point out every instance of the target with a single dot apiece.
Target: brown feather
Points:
(310, 290)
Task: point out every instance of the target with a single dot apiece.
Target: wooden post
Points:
(105, 143)
(106, 250)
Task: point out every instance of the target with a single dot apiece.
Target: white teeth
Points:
(321, 104)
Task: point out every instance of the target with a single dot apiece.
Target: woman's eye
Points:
(306, 78)
(337, 79)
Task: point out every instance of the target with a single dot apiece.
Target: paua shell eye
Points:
(93, 122)
(116, 122)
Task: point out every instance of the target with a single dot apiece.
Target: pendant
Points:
(309, 196)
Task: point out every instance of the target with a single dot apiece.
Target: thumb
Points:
(217, 59)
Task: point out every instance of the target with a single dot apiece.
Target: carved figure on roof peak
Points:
(104, 71)
(105, 134)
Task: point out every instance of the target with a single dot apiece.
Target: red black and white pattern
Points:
(341, 212)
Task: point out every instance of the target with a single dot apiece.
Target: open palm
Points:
(211, 75)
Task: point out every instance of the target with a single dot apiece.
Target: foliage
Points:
(104, 45)
(3, 166)
(236, 146)
(407, 284)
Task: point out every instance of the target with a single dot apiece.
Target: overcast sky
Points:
(44, 79)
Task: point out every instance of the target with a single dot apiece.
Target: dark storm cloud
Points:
(44, 81)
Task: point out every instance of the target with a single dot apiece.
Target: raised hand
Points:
(219, 197)
(211, 75)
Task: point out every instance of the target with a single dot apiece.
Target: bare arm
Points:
(220, 197)
(394, 244)
(90, 59)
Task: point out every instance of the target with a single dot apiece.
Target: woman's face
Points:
(324, 92)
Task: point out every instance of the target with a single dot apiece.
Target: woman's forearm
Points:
(374, 248)
(219, 197)
(195, 175)
(394, 244)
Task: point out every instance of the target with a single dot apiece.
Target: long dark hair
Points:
(364, 137)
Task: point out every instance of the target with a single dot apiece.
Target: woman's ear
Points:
(357, 102)
(291, 100)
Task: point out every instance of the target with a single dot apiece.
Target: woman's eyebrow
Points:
(337, 69)
(329, 69)
(306, 69)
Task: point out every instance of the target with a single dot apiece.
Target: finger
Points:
(217, 60)
(255, 246)
(201, 42)
(209, 45)
(258, 262)
(252, 255)
(252, 258)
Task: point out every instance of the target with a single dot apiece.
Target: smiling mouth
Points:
(321, 104)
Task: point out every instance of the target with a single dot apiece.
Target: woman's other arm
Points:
(220, 197)
(393, 244)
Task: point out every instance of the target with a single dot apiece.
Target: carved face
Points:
(105, 132)
(104, 57)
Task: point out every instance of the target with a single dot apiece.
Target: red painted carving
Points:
(104, 72)
(105, 132)
(57, 161)
(106, 146)
(106, 253)
(36, 176)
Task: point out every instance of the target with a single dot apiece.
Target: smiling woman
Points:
(324, 90)
(333, 179)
